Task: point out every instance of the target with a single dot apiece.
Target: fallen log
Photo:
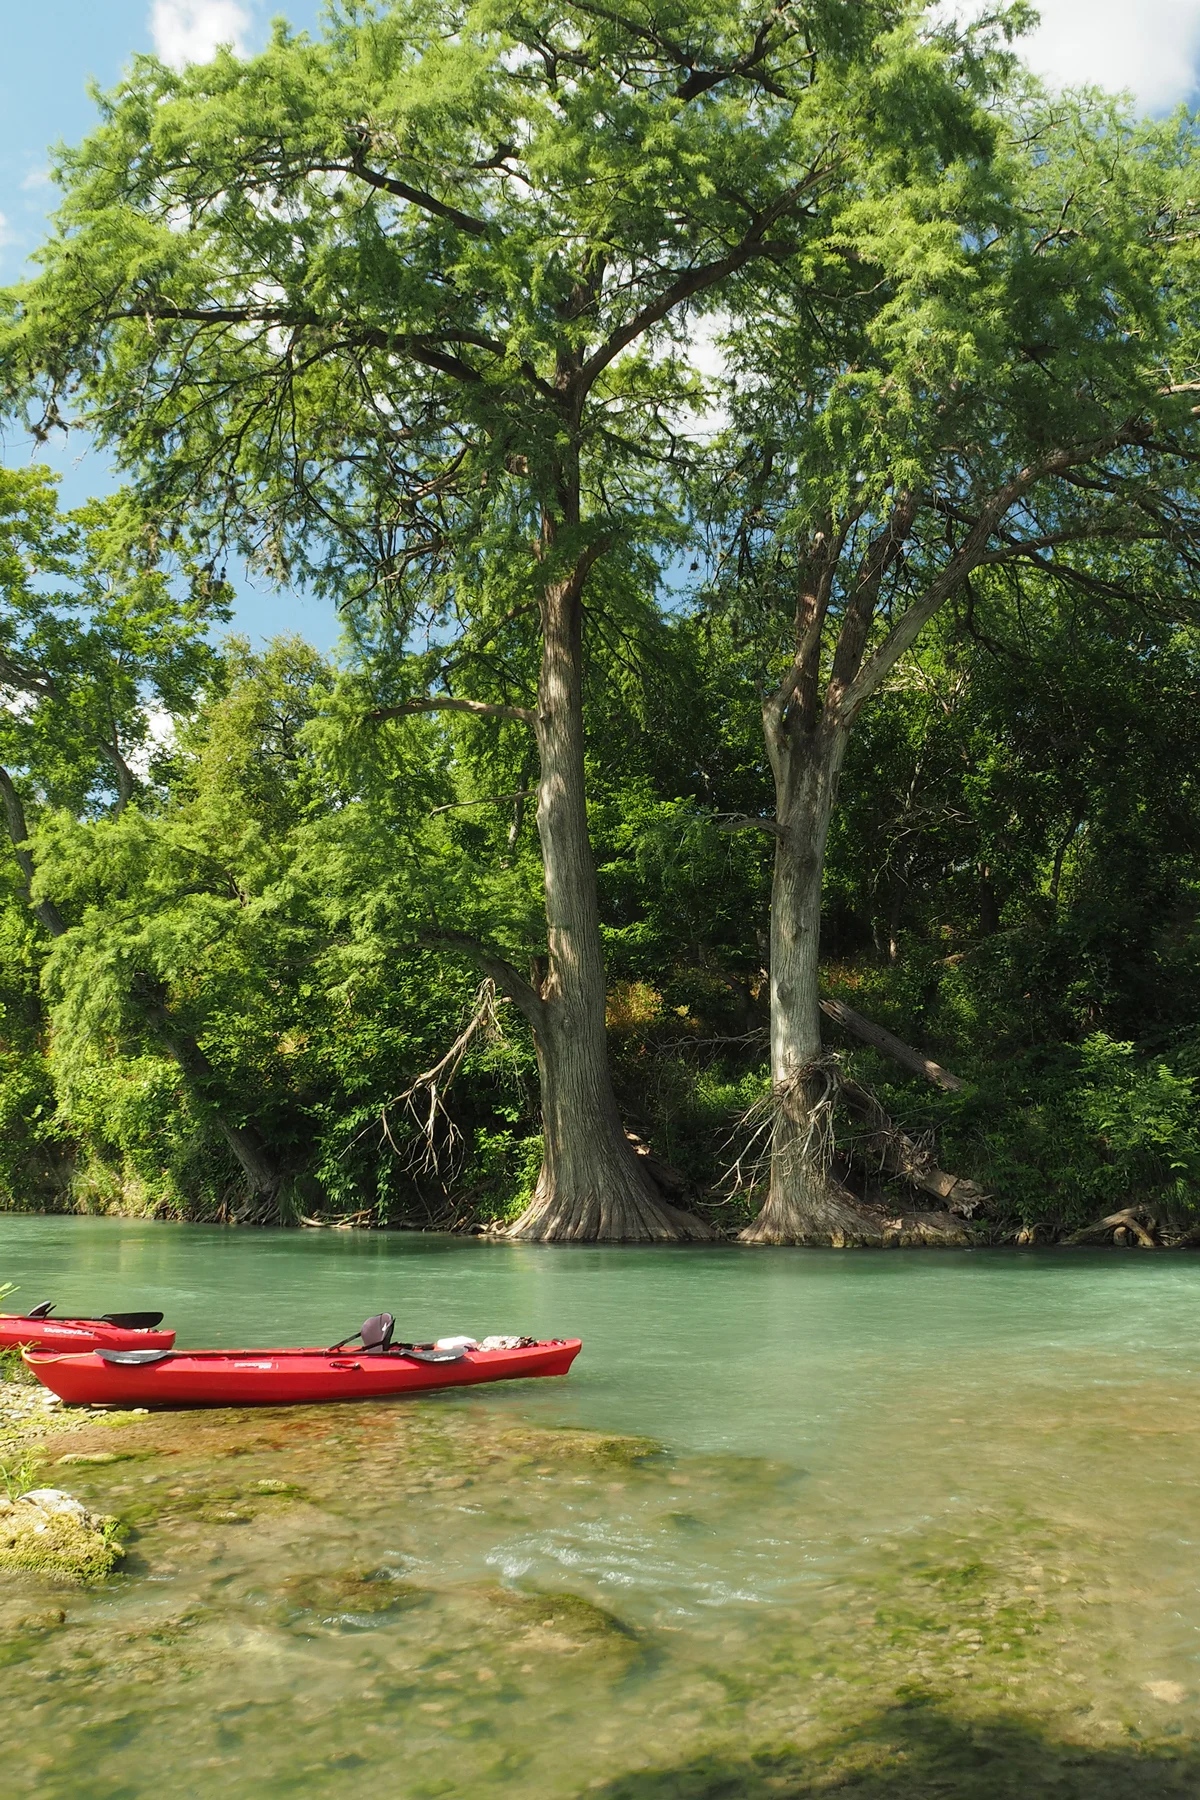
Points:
(902, 1155)
(1118, 1226)
(881, 1039)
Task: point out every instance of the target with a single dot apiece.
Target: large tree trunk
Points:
(805, 1204)
(592, 1186)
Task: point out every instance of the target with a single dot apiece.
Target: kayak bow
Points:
(283, 1377)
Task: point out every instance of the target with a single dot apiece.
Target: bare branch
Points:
(746, 822)
(882, 1039)
(490, 800)
(522, 993)
(910, 624)
(450, 703)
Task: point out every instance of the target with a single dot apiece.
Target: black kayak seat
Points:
(42, 1311)
(376, 1334)
(134, 1358)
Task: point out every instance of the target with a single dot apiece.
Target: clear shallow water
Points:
(927, 1521)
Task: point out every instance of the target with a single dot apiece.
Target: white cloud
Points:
(36, 178)
(190, 30)
(160, 735)
(7, 235)
(1150, 47)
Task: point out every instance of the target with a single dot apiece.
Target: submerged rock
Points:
(348, 1596)
(563, 1622)
(48, 1532)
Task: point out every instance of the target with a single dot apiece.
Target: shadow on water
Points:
(917, 1751)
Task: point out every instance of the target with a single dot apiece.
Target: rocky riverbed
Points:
(454, 1601)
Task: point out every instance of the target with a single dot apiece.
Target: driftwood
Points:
(1121, 1228)
(357, 1221)
(881, 1039)
(900, 1154)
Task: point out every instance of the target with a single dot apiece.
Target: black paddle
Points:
(131, 1321)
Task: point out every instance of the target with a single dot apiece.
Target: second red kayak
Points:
(285, 1377)
(78, 1335)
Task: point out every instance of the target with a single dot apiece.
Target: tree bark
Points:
(805, 1204)
(592, 1186)
(44, 911)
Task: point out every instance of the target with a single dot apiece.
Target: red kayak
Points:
(36, 1331)
(287, 1377)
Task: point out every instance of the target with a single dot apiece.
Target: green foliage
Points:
(409, 310)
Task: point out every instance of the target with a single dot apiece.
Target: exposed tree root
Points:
(1131, 1225)
(837, 1221)
(808, 1204)
(624, 1213)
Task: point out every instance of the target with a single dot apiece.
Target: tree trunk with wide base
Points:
(806, 1201)
(592, 1187)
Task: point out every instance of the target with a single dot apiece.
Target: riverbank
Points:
(1134, 1227)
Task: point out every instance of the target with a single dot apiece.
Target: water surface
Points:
(922, 1522)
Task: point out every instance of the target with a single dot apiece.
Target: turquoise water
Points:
(906, 1498)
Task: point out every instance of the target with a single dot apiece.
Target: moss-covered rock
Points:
(347, 1596)
(49, 1533)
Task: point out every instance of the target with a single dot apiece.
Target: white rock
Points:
(53, 1500)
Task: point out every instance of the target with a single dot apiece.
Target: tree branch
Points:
(422, 347)
(746, 822)
(388, 184)
(449, 703)
(522, 993)
(487, 800)
(882, 1039)
(14, 817)
(883, 550)
(911, 622)
(696, 280)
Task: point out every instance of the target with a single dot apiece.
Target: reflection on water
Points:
(921, 1523)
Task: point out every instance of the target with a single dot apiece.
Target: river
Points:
(916, 1523)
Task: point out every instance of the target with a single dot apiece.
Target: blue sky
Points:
(53, 47)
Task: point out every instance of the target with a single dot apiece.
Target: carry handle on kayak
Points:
(41, 1311)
